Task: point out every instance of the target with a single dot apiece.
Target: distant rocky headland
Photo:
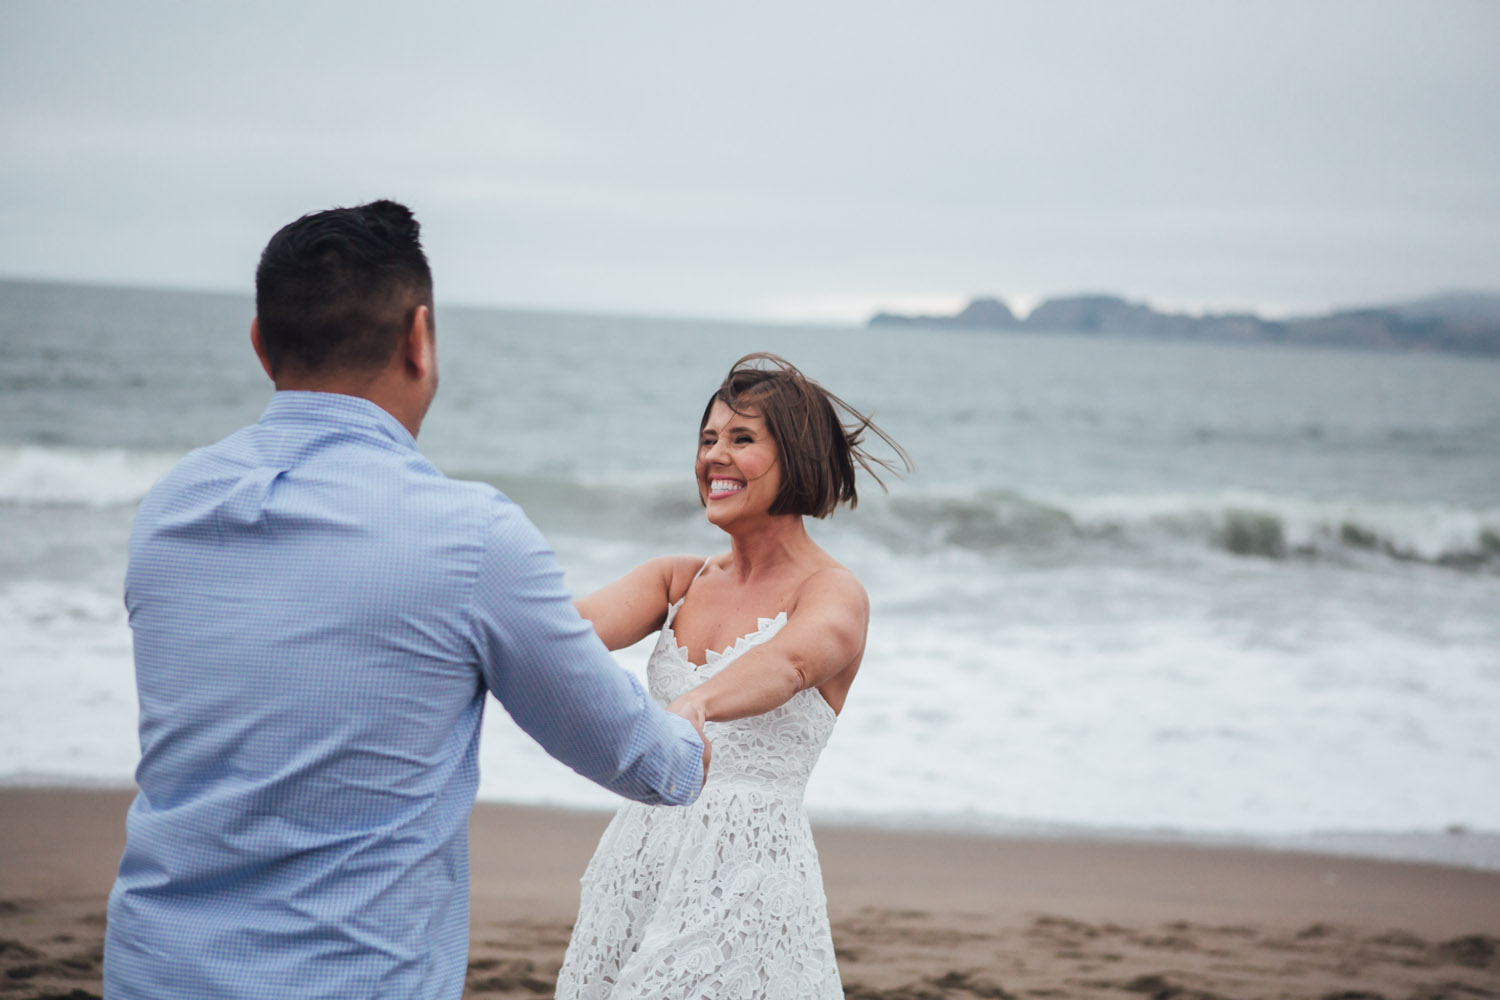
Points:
(1467, 323)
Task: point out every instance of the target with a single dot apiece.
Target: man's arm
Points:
(548, 668)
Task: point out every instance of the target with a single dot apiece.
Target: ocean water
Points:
(1243, 594)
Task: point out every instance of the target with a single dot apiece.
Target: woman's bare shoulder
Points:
(832, 583)
(679, 572)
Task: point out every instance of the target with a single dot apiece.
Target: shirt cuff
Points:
(682, 779)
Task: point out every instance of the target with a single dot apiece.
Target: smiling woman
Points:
(736, 460)
(759, 647)
(766, 396)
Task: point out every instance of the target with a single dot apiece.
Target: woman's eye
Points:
(743, 439)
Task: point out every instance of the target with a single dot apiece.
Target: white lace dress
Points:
(723, 899)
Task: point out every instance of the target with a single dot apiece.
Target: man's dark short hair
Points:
(818, 452)
(336, 290)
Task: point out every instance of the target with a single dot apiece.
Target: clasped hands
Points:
(692, 710)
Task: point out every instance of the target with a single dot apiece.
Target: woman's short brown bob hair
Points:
(817, 451)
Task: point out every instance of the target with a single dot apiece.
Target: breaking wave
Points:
(913, 521)
(1241, 524)
(89, 477)
(1056, 527)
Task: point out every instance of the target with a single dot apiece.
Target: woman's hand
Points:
(693, 712)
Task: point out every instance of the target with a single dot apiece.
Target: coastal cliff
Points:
(1467, 323)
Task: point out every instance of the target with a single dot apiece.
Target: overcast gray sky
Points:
(785, 160)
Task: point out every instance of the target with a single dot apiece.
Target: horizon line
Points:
(792, 319)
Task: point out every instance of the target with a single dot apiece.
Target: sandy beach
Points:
(915, 916)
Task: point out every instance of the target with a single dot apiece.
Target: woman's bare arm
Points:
(626, 611)
(823, 635)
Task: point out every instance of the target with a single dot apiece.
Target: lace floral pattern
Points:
(723, 898)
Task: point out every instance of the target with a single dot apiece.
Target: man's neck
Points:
(385, 389)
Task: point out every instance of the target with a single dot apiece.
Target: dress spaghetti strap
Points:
(672, 608)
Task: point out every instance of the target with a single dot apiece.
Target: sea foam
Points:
(99, 477)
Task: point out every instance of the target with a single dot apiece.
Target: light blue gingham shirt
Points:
(317, 615)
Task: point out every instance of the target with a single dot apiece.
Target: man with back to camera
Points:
(317, 614)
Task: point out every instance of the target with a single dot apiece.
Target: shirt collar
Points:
(299, 406)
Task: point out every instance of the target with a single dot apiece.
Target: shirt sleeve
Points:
(546, 665)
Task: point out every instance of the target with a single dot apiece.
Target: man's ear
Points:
(260, 348)
(418, 345)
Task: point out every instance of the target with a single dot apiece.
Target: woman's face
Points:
(738, 470)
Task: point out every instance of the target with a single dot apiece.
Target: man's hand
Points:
(693, 712)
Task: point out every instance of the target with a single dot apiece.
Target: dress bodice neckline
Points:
(765, 631)
(713, 660)
(712, 657)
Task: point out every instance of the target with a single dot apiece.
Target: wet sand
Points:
(915, 916)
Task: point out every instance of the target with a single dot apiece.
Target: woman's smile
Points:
(719, 488)
(736, 455)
